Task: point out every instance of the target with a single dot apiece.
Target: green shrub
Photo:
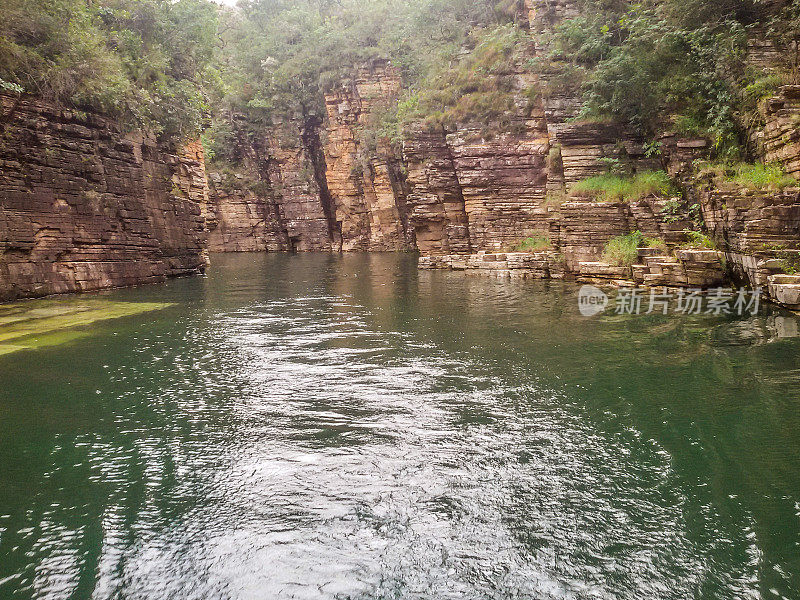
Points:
(478, 87)
(641, 62)
(536, 243)
(623, 250)
(148, 63)
(690, 126)
(759, 176)
(754, 176)
(762, 87)
(611, 187)
(699, 240)
(260, 188)
(7, 86)
(790, 267)
(789, 257)
(653, 243)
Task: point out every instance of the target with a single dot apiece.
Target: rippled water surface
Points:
(347, 427)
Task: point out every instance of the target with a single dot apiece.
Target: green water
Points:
(349, 427)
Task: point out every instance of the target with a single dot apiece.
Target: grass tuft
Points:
(760, 177)
(611, 188)
(623, 250)
(756, 176)
(536, 243)
(653, 243)
(698, 240)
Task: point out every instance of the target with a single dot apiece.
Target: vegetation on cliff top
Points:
(478, 86)
(673, 64)
(170, 65)
(280, 56)
(147, 62)
(698, 240)
(165, 64)
(651, 65)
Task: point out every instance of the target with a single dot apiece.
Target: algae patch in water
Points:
(37, 323)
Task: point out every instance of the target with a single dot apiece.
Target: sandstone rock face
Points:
(513, 265)
(586, 227)
(240, 220)
(294, 174)
(436, 205)
(309, 185)
(276, 200)
(781, 136)
(366, 185)
(762, 53)
(694, 268)
(785, 290)
(581, 147)
(759, 231)
(84, 207)
(585, 147)
(474, 187)
(503, 182)
(495, 185)
(481, 186)
(544, 14)
(469, 193)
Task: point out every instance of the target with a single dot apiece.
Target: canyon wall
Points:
(466, 190)
(324, 185)
(758, 230)
(366, 184)
(276, 199)
(310, 184)
(481, 188)
(780, 138)
(486, 187)
(84, 206)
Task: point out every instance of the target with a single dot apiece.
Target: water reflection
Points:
(346, 427)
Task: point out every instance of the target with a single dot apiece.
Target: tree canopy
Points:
(148, 62)
(173, 65)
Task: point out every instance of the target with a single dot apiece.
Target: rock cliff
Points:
(276, 199)
(366, 185)
(84, 206)
(468, 188)
(310, 184)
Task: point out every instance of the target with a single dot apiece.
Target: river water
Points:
(347, 427)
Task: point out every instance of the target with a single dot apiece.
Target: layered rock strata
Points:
(83, 206)
(366, 185)
(436, 205)
(517, 265)
(310, 184)
(586, 227)
(480, 187)
(276, 199)
(781, 134)
(759, 231)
